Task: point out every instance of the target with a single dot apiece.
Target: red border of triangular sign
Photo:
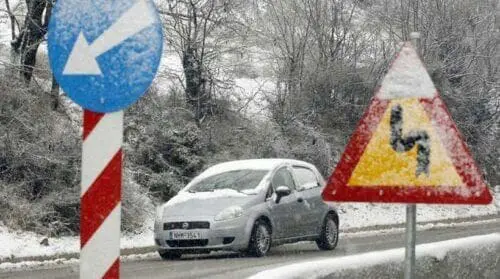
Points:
(474, 192)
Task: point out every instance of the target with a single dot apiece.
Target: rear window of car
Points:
(306, 178)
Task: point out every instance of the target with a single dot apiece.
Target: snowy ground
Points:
(358, 215)
(17, 244)
(420, 227)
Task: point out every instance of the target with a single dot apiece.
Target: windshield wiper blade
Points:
(202, 190)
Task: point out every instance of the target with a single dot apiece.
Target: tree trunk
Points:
(14, 57)
(196, 94)
(32, 34)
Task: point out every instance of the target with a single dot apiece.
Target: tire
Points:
(329, 236)
(170, 255)
(260, 239)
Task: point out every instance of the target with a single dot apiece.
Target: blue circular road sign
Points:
(104, 53)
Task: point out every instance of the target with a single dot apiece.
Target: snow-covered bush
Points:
(162, 144)
(137, 207)
(39, 161)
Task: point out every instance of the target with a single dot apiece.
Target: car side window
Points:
(306, 178)
(283, 178)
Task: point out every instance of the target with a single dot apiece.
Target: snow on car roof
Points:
(256, 164)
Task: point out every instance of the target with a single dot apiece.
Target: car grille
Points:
(187, 243)
(182, 226)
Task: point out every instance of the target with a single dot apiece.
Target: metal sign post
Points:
(411, 231)
(411, 213)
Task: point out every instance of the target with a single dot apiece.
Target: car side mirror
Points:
(282, 191)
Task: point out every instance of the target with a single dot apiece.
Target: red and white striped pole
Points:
(100, 208)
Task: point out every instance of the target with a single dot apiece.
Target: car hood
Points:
(204, 203)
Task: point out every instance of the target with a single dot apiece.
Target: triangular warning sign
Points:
(406, 148)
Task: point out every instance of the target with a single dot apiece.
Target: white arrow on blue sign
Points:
(105, 54)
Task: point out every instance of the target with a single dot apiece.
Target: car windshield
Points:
(239, 180)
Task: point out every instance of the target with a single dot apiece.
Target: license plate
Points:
(185, 235)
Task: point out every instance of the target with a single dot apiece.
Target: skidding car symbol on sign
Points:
(406, 147)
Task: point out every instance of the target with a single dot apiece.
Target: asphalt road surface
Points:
(231, 265)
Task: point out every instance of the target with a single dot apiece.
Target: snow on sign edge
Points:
(407, 77)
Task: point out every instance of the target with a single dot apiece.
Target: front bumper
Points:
(231, 234)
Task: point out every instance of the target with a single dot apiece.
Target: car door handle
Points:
(300, 199)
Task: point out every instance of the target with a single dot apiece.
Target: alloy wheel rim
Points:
(331, 231)
(262, 239)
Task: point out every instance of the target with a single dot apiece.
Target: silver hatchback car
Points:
(247, 206)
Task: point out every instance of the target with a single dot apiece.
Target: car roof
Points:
(259, 164)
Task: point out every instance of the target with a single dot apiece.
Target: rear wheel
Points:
(329, 236)
(170, 255)
(260, 240)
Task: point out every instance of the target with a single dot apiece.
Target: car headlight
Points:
(231, 212)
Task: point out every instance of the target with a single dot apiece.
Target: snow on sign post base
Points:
(406, 148)
(104, 54)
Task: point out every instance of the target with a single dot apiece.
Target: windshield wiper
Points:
(202, 190)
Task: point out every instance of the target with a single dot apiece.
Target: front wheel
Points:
(260, 240)
(170, 255)
(329, 236)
